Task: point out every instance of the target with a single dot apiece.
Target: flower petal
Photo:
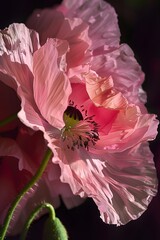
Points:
(8, 147)
(102, 92)
(51, 86)
(18, 44)
(102, 116)
(74, 30)
(122, 185)
(99, 15)
(124, 69)
(129, 129)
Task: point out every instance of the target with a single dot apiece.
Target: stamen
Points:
(79, 131)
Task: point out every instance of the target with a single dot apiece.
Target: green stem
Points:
(34, 215)
(8, 120)
(30, 184)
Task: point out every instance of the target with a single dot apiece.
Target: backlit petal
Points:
(122, 185)
(51, 85)
(103, 93)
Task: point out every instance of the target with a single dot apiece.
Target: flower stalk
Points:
(8, 120)
(34, 214)
(30, 184)
(53, 228)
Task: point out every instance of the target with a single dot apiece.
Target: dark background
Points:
(139, 22)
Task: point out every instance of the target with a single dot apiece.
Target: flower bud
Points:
(54, 230)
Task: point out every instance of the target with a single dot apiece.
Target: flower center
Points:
(79, 131)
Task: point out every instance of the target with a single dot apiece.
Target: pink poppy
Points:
(82, 90)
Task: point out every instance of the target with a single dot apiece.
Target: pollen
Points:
(79, 130)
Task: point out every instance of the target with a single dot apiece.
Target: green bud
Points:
(54, 230)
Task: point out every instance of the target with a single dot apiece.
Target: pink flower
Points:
(82, 90)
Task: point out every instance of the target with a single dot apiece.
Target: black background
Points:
(139, 23)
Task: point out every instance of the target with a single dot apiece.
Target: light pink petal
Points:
(129, 128)
(56, 188)
(102, 92)
(122, 185)
(124, 69)
(74, 30)
(51, 86)
(101, 17)
(18, 44)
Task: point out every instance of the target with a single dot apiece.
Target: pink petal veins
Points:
(102, 92)
(101, 17)
(51, 86)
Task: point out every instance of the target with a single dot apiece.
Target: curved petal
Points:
(133, 181)
(57, 188)
(33, 145)
(102, 116)
(43, 21)
(129, 129)
(122, 185)
(99, 15)
(18, 44)
(102, 92)
(51, 86)
(74, 30)
(9, 147)
(124, 69)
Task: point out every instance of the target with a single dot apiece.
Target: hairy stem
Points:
(34, 214)
(30, 184)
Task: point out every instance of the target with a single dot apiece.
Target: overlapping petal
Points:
(129, 128)
(101, 18)
(18, 44)
(74, 30)
(126, 72)
(121, 184)
(102, 92)
(51, 86)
